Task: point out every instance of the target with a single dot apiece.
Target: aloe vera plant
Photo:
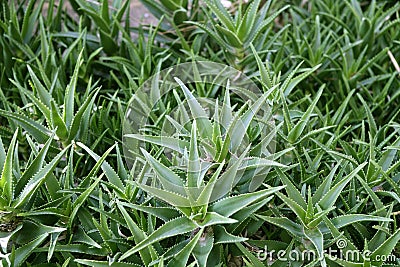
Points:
(18, 194)
(236, 33)
(66, 124)
(214, 162)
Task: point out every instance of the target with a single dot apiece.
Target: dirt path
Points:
(140, 14)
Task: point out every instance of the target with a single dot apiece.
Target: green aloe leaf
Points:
(226, 110)
(198, 113)
(170, 180)
(81, 199)
(221, 236)
(375, 199)
(264, 70)
(33, 168)
(205, 194)
(78, 119)
(69, 100)
(44, 95)
(180, 259)
(108, 170)
(326, 184)
(344, 220)
(96, 263)
(23, 252)
(77, 248)
(329, 199)
(291, 189)
(247, 211)
(3, 155)
(252, 259)
(37, 180)
(239, 129)
(80, 236)
(37, 101)
(381, 235)
(296, 208)
(316, 237)
(230, 36)
(85, 194)
(37, 130)
(227, 180)
(230, 205)
(5, 238)
(293, 82)
(147, 255)
(385, 248)
(221, 13)
(247, 22)
(194, 167)
(7, 178)
(285, 223)
(339, 235)
(213, 218)
(58, 123)
(165, 141)
(203, 248)
(298, 129)
(164, 213)
(174, 227)
(171, 198)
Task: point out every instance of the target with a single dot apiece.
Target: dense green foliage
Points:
(328, 69)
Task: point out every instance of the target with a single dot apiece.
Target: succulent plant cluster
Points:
(217, 173)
